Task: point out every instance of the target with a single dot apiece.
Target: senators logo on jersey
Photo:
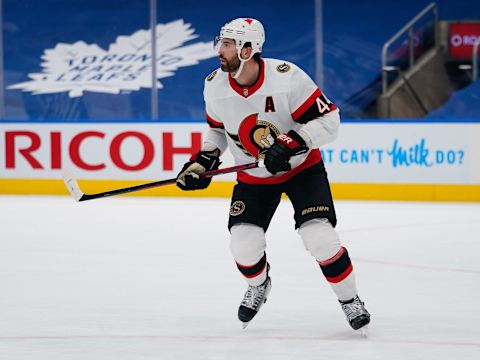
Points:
(237, 208)
(255, 136)
(283, 68)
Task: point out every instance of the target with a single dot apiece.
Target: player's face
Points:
(227, 52)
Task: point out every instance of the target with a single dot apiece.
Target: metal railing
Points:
(475, 61)
(432, 7)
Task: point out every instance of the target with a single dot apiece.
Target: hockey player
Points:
(270, 109)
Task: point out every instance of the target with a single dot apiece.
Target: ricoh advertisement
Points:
(406, 153)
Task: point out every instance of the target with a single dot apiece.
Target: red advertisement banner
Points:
(462, 38)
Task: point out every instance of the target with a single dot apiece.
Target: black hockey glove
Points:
(189, 177)
(284, 147)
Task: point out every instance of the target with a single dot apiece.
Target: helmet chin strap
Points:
(236, 74)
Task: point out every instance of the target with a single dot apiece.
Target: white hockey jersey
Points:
(249, 118)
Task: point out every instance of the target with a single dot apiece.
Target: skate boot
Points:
(253, 300)
(357, 315)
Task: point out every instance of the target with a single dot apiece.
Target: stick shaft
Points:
(150, 185)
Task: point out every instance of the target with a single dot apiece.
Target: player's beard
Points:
(231, 65)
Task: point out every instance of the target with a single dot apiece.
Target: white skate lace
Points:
(353, 309)
(253, 296)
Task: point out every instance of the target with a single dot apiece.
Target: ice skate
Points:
(253, 300)
(357, 316)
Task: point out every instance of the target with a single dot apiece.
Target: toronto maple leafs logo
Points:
(125, 66)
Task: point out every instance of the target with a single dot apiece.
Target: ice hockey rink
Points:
(153, 278)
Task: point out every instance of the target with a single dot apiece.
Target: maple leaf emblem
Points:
(125, 66)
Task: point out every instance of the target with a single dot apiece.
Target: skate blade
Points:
(363, 331)
(245, 324)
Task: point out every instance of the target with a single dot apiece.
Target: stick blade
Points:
(72, 185)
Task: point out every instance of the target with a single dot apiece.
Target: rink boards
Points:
(395, 160)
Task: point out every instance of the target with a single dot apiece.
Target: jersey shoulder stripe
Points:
(214, 123)
(317, 104)
(306, 105)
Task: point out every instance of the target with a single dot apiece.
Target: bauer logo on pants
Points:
(315, 209)
(237, 208)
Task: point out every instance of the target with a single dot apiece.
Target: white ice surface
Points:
(153, 278)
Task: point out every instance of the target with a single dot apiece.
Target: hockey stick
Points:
(79, 195)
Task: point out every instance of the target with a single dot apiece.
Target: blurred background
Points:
(88, 63)
(91, 60)
(112, 91)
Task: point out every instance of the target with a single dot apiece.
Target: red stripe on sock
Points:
(342, 276)
(254, 275)
(333, 258)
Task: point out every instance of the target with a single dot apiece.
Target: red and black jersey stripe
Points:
(338, 267)
(214, 123)
(315, 106)
(253, 270)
